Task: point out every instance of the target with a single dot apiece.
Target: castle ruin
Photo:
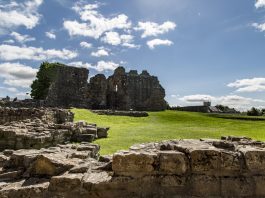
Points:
(121, 91)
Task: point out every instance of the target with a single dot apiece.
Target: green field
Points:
(126, 131)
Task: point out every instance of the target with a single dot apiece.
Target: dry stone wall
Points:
(231, 167)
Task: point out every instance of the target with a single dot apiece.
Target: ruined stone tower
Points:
(69, 87)
(133, 91)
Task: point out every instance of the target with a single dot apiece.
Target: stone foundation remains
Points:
(41, 128)
(121, 113)
(47, 115)
(231, 167)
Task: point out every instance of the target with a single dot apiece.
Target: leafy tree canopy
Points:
(44, 78)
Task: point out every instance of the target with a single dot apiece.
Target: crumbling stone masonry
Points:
(231, 167)
(69, 87)
(41, 128)
(121, 91)
(47, 115)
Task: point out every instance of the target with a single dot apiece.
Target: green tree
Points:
(44, 78)
(254, 112)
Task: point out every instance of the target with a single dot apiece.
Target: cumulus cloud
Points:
(249, 85)
(260, 27)
(17, 75)
(86, 45)
(50, 35)
(99, 66)
(154, 29)
(11, 52)
(156, 42)
(14, 14)
(93, 23)
(100, 53)
(235, 101)
(22, 38)
(260, 3)
(114, 38)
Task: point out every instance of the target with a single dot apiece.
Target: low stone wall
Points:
(231, 167)
(47, 115)
(36, 134)
(121, 113)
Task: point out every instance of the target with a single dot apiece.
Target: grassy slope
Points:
(126, 131)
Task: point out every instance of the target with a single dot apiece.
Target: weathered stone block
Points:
(102, 132)
(130, 163)
(173, 162)
(50, 165)
(205, 160)
(230, 162)
(70, 181)
(32, 187)
(255, 158)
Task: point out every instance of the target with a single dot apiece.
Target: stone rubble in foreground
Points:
(29, 128)
(230, 167)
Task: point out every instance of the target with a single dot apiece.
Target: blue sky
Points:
(199, 49)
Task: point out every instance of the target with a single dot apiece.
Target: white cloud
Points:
(103, 65)
(197, 98)
(86, 45)
(156, 42)
(100, 66)
(154, 29)
(249, 85)
(13, 14)
(93, 23)
(11, 52)
(50, 35)
(100, 53)
(235, 101)
(22, 38)
(260, 3)
(114, 38)
(17, 75)
(260, 27)
(80, 64)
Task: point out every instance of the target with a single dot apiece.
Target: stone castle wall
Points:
(69, 88)
(122, 91)
(141, 92)
(231, 167)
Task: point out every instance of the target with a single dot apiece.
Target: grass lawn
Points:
(126, 131)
